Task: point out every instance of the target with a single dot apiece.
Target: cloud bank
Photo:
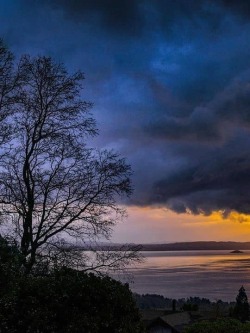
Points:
(170, 81)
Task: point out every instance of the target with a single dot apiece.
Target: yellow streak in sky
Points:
(147, 224)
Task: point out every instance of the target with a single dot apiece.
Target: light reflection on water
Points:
(177, 274)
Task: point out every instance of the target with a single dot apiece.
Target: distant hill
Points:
(192, 246)
(181, 246)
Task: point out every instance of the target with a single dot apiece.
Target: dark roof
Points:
(161, 322)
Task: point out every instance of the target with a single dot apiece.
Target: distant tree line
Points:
(151, 301)
(226, 317)
(238, 323)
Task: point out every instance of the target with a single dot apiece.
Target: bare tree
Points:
(9, 81)
(52, 184)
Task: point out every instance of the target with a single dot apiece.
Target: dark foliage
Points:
(190, 307)
(241, 309)
(63, 301)
(10, 265)
(219, 326)
(71, 302)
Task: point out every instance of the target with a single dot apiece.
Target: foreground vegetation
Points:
(219, 326)
(62, 301)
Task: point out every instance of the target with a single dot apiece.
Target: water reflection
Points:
(211, 274)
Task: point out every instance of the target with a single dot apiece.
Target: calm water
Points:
(177, 274)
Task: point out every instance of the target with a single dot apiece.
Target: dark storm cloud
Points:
(117, 16)
(170, 81)
(215, 141)
(221, 182)
(212, 122)
(242, 8)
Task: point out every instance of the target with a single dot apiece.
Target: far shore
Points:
(233, 247)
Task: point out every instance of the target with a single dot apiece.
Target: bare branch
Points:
(51, 182)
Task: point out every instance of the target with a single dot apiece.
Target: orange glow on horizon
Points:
(152, 224)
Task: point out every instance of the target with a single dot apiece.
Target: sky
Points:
(170, 83)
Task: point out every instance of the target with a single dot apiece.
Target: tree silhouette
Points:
(10, 79)
(241, 310)
(53, 185)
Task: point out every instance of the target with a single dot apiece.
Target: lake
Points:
(177, 274)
